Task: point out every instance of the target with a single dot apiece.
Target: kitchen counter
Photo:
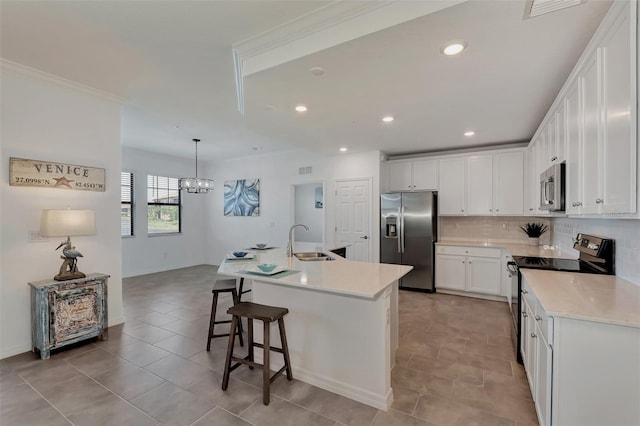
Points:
(515, 249)
(599, 298)
(341, 276)
(342, 325)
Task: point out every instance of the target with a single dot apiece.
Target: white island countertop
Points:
(591, 297)
(359, 279)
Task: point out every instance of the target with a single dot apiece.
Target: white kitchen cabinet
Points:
(484, 275)
(484, 184)
(508, 183)
(413, 175)
(619, 138)
(469, 269)
(451, 193)
(573, 175)
(580, 372)
(593, 123)
(543, 358)
(451, 272)
(479, 189)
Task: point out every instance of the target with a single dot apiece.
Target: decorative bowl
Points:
(261, 245)
(267, 267)
(240, 253)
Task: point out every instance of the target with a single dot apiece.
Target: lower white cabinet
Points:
(470, 269)
(580, 372)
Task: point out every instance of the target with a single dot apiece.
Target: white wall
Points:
(307, 213)
(143, 254)
(626, 232)
(44, 119)
(277, 173)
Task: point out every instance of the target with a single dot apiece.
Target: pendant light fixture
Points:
(196, 185)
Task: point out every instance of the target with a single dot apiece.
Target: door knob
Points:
(366, 237)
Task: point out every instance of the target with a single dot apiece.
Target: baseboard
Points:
(381, 402)
(26, 347)
(474, 295)
(15, 350)
(159, 268)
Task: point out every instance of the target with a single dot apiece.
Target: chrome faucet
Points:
(290, 245)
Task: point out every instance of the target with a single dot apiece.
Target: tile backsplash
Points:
(561, 233)
(503, 229)
(626, 232)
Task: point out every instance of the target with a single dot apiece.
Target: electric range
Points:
(597, 256)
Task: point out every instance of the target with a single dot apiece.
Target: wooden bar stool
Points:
(266, 314)
(223, 286)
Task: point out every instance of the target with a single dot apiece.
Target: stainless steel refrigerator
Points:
(408, 231)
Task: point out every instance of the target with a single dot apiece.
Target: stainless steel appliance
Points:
(407, 235)
(597, 256)
(552, 188)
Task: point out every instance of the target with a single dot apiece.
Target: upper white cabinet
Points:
(413, 175)
(508, 183)
(480, 185)
(451, 195)
(592, 124)
(484, 184)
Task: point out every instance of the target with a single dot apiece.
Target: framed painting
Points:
(242, 197)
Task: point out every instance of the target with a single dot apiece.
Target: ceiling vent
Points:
(535, 8)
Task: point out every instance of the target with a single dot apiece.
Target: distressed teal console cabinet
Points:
(66, 312)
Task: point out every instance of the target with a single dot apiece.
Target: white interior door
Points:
(353, 218)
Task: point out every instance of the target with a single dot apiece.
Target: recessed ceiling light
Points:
(343, 149)
(387, 119)
(453, 48)
(469, 133)
(301, 108)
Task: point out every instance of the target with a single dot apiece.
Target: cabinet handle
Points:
(463, 261)
(599, 201)
(462, 210)
(470, 263)
(525, 292)
(533, 335)
(573, 204)
(524, 314)
(530, 210)
(538, 318)
(578, 204)
(554, 158)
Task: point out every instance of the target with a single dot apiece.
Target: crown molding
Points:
(328, 26)
(25, 70)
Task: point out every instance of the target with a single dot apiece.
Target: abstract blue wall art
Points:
(242, 197)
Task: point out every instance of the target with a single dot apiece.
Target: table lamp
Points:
(67, 223)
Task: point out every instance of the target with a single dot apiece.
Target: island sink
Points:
(312, 256)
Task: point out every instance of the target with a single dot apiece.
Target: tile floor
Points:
(455, 366)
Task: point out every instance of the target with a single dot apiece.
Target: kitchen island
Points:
(342, 326)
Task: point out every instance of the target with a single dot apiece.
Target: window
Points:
(126, 204)
(163, 205)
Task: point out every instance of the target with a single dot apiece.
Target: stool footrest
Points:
(260, 345)
(272, 378)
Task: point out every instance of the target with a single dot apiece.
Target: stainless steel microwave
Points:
(552, 188)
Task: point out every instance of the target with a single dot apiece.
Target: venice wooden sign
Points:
(23, 172)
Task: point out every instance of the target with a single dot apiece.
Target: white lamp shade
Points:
(67, 223)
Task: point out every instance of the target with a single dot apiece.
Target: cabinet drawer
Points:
(469, 251)
(528, 295)
(545, 323)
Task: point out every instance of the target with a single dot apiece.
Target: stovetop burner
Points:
(596, 257)
(552, 264)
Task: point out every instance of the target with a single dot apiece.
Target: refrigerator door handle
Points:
(400, 230)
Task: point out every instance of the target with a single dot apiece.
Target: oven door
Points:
(514, 306)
